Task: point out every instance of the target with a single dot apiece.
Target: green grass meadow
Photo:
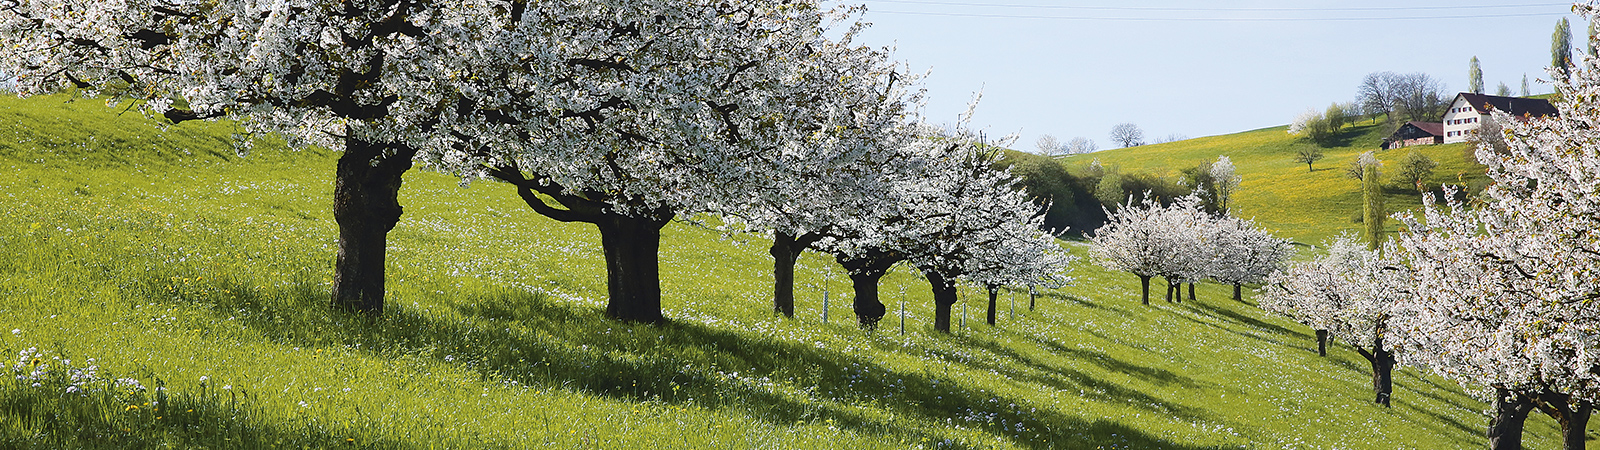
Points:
(167, 258)
(1281, 194)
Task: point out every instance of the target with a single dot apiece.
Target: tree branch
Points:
(578, 209)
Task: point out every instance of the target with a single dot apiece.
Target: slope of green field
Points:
(168, 259)
(1281, 194)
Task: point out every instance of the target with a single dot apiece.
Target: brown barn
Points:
(1415, 133)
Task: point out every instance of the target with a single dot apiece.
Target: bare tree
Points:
(1525, 91)
(1376, 92)
(1049, 146)
(1412, 96)
(1308, 154)
(1174, 137)
(1080, 145)
(1422, 96)
(1127, 135)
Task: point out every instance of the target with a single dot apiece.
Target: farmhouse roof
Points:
(1431, 128)
(1515, 106)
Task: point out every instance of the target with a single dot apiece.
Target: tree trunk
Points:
(1191, 292)
(865, 273)
(1382, 365)
(1382, 369)
(1574, 427)
(1144, 280)
(1236, 294)
(633, 275)
(869, 310)
(1322, 342)
(1032, 295)
(366, 205)
(944, 297)
(1571, 414)
(994, 293)
(1170, 288)
(785, 251)
(1511, 411)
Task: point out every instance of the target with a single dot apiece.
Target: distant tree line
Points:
(1080, 194)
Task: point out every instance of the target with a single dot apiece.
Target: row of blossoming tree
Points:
(1502, 292)
(620, 113)
(1183, 243)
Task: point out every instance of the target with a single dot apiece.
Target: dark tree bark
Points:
(865, 272)
(633, 274)
(366, 205)
(1144, 280)
(1033, 295)
(1511, 410)
(786, 249)
(944, 297)
(1191, 292)
(994, 294)
(1236, 294)
(631, 243)
(1322, 342)
(1382, 366)
(1172, 287)
(1572, 414)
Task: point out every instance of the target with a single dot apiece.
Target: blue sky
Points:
(1195, 68)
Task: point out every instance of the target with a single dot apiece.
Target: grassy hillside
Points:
(172, 261)
(1282, 194)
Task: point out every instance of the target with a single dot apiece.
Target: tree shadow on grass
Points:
(1216, 325)
(1064, 379)
(1155, 375)
(1436, 388)
(1075, 300)
(1440, 418)
(517, 336)
(1228, 315)
(45, 418)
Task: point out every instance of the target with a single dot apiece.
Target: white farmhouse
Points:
(1469, 110)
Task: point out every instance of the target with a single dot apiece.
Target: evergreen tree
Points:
(1474, 77)
(1372, 196)
(1561, 48)
(1594, 47)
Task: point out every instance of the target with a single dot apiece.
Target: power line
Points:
(1219, 19)
(1170, 9)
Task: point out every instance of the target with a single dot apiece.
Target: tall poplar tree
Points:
(1372, 196)
(1561, 48)
(1594, 47)
(1474, 77)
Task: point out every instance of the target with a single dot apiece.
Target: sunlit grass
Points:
(167, 267)
(1281, 194)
